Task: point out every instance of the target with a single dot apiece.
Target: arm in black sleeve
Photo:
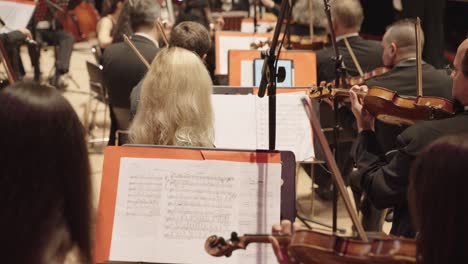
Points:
(384, 182)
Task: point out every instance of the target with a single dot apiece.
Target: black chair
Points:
(98, 95)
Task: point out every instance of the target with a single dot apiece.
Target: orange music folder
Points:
(116, 158)
(305, 67)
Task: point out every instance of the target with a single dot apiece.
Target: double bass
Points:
(80, 21)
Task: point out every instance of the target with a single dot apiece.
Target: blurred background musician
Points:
(47, 28)
(347, 17)
(107, 23)
(122, 68)
(12, 41)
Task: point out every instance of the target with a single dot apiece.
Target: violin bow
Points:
(417, 25)
(163, 34)
(129, 43)
(336, 174)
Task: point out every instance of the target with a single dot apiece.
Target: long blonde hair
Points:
(175, 102)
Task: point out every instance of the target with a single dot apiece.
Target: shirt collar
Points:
(355, 34)
(148, 37)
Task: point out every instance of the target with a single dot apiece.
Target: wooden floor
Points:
(78, 93)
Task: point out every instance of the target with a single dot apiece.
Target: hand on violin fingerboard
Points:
(364, 120)
(281, 251)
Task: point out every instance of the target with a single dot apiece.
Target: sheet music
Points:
(15, 14)
(227, 43)
(235, 122)
(247, 73)
(241, 121)
(293, 131)
(165, 209)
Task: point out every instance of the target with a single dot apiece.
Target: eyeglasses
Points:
(449, 69)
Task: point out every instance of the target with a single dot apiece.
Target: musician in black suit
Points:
(399, 44)
(347, 17)
(386, 181)
(121, 66)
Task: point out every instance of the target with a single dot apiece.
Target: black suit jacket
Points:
(386, 182)
(402, 79)
(368, 53)
(123, 69)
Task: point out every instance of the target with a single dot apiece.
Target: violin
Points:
(81, 21)
(260, 44)
(311, 246)
(359, 80)
(389, 107)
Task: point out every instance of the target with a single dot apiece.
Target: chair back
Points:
(96, 81)
(97, 52)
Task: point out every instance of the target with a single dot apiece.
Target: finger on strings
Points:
(286, 227)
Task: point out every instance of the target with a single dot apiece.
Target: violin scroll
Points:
(218, 246)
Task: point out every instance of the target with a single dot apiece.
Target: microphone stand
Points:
(255, 16)
(340, 81)
(269, 74)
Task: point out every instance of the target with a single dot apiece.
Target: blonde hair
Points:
(175, 102)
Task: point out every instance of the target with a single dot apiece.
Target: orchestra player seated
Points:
(175, 107)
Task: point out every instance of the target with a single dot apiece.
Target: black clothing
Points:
(386, 181)
(123, 69)
(402, 79)
(368, 53)
(12, 41)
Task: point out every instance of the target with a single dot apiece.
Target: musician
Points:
(438, 200)
(188, 35)
(175, 107)
(302, 16)
(384, 181)
(46, 192)
(48, 28)
(347, 17)
(106, 24)
(12, 41)
(122, 68)
(399, 54)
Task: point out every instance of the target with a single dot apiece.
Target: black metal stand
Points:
(339, 82)
(269, 75)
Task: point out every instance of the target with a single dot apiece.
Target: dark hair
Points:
(45, 188)
(193, 10)
(438, 200)
(123, 24)
(192, 36)
(109, 6)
